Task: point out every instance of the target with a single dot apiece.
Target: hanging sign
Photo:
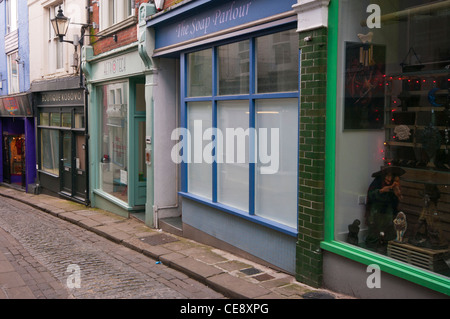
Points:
(17, 105)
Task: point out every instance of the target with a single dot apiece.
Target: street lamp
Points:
(60, 24)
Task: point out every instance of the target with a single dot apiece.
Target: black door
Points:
(67, 163)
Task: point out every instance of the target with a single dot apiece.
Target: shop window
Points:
(44, 119)
(392, 193)
(233, 167)
(142, 168)
(79, 120)
(277, 62)
(199, 171)
(276, 183)
(243, 146)
(234, 60)
(199, 73)
(66, 120)
(50, 151)
(114, 133)
(55, 119)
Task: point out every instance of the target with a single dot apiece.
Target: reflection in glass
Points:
(79, 120)
(142, 171)
(114, 160)
(277, 62)
(55, 119)
(66, 120)
(44, 119)
(199, 73)
(67, 149)
(50, 151)
(234, 68)
(80, 148)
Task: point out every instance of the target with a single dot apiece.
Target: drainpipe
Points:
(86, 113)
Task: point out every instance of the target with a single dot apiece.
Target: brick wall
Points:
(312, 157)
(125, 36)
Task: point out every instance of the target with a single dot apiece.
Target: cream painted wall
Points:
(42, 56)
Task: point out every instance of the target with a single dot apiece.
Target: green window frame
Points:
(386, 264)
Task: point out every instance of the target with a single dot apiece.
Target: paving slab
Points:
(190, 266)
(237, 287)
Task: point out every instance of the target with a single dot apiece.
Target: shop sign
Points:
(114, 66)
(118, 66)
(225, 16)
(62, 97)
(18, 105)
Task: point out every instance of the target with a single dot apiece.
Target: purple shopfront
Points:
(18, 141)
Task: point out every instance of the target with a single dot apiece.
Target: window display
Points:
(50, 157)
(113, 164)
(392, 194)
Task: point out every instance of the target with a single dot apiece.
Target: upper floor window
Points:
(11, 15)
(55, 49)
(114, 11)
(13, 72)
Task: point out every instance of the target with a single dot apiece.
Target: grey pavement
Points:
(228, 275)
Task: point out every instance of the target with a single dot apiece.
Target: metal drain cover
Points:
(317, 295)
(250, 271)
(159, 239)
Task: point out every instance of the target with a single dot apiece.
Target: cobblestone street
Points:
(40, 255)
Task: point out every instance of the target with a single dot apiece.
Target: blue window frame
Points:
(253, 82)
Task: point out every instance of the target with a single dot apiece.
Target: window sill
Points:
(239, 213)
(48, 173)
(131, 20)
(389, 265)
(114, 200)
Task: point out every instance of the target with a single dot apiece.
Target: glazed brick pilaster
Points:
(311, 156)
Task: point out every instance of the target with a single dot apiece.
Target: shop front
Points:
(387, 187)
(117, 129)
(17, 126)
(237, 111)
(61, 138)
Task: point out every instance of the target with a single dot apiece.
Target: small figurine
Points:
(383, 197)
(366, 38)
(428, 231)
(400, 226)
(353, 230)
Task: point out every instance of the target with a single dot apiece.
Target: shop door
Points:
(14, 159)
(73, 165)
(79, 173)
(66, 163)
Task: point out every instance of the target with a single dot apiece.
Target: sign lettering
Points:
(114, 66)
